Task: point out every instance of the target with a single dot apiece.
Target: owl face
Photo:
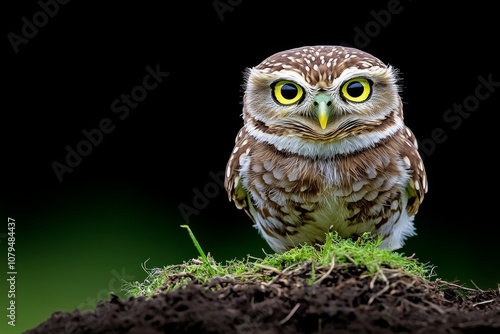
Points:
(321, 94)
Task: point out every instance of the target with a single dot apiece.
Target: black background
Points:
(64, 79)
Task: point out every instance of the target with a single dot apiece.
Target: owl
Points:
(324, 147)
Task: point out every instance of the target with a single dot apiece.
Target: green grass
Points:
(339, 253)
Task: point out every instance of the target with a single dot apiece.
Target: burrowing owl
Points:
(324, 147)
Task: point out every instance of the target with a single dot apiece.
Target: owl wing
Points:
(232, 182)
(417, 186)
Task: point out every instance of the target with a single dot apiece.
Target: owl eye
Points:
(357, 90)
(287, 92)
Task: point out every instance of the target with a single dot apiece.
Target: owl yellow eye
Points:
(287, 92)
(357, 90)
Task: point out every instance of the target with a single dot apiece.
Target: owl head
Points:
(339, 96)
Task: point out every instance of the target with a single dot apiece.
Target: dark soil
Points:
(341, 300)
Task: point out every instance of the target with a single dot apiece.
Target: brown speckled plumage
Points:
(298, 173)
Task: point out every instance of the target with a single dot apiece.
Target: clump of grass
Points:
(364, 252)
(337, 252)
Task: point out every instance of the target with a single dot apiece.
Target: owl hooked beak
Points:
(323, 108)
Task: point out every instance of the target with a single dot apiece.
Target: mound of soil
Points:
(322, 300)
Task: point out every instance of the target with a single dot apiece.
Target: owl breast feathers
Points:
(324, 147)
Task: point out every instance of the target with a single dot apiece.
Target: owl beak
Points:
(323, 105)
